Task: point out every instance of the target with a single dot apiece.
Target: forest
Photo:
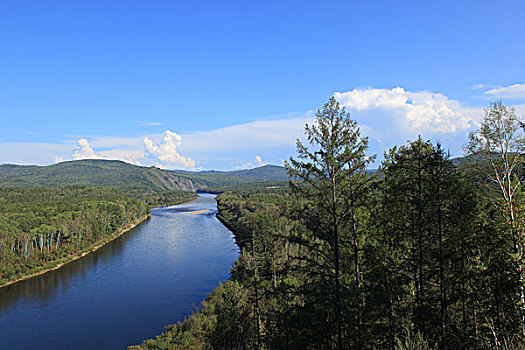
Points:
(43, 226)
(426, 253)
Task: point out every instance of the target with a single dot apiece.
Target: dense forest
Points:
(422, 255)
(93, 172)
(40, 226)
(211, 178)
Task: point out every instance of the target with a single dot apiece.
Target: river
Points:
(126, 291)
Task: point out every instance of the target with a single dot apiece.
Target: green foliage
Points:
(252, 186)
(412, 341)
(39, 226)
(212, 179)
(333, 186)
(427, 253)
(93, 172)
(467, 267)
(136, 180)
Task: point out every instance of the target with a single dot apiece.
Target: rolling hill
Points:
(213, 178)
(98, 172)
(93, 172)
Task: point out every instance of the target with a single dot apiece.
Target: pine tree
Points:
(332, 184)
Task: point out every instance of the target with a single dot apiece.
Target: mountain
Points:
(99, 172)
(213, 178)
(93, 172)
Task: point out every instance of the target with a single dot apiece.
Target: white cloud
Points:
(387, 116)
(520, 110)
(516, 91)
(483, 87)
(166, 151)
(256, 162)
(84, 151)
(479, 86)
(249, 136)
(421, 112)
(32, 152)
(136, 150)
(147, 123)
(132, 156)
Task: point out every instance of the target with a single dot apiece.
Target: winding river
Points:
(126, 291)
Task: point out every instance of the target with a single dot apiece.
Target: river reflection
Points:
(127, 290)
(45, 287)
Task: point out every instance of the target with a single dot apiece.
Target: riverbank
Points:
(166, 265)
(80, 254)
(185, 200)
(193, 332)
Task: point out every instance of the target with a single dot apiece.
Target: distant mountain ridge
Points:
(214, 178)
(92, 172)
(100, 172)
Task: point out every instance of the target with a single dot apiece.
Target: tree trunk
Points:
(357, 277)
(257, 324)
(442, 295)
(336, 262)
(420, 239)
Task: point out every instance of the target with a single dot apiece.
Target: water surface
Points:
(127, 290)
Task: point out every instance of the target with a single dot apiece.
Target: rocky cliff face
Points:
(165, 180)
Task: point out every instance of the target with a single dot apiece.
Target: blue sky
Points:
(230, 84)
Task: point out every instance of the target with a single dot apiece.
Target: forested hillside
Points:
(208, 179)
(114, 173)
(93, 172)
(40, 226)
(424, 256)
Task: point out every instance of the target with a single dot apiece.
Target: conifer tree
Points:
(333, 183)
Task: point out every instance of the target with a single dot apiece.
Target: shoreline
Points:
(155, 206)
(81, 253)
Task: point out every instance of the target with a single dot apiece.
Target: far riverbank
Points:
(56, 264)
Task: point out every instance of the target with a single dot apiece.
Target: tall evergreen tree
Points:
(333, 183)
(423, 222)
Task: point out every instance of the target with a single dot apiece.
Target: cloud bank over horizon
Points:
(387, 116)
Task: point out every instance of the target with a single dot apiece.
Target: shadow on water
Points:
(45, 287)
(126, 291)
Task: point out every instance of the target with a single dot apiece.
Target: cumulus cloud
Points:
(387, 116)
(136, 151)
(166, 151)
(84, 151)
(256, 162)
(516, 91)
(132, 156)
(421, 111)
